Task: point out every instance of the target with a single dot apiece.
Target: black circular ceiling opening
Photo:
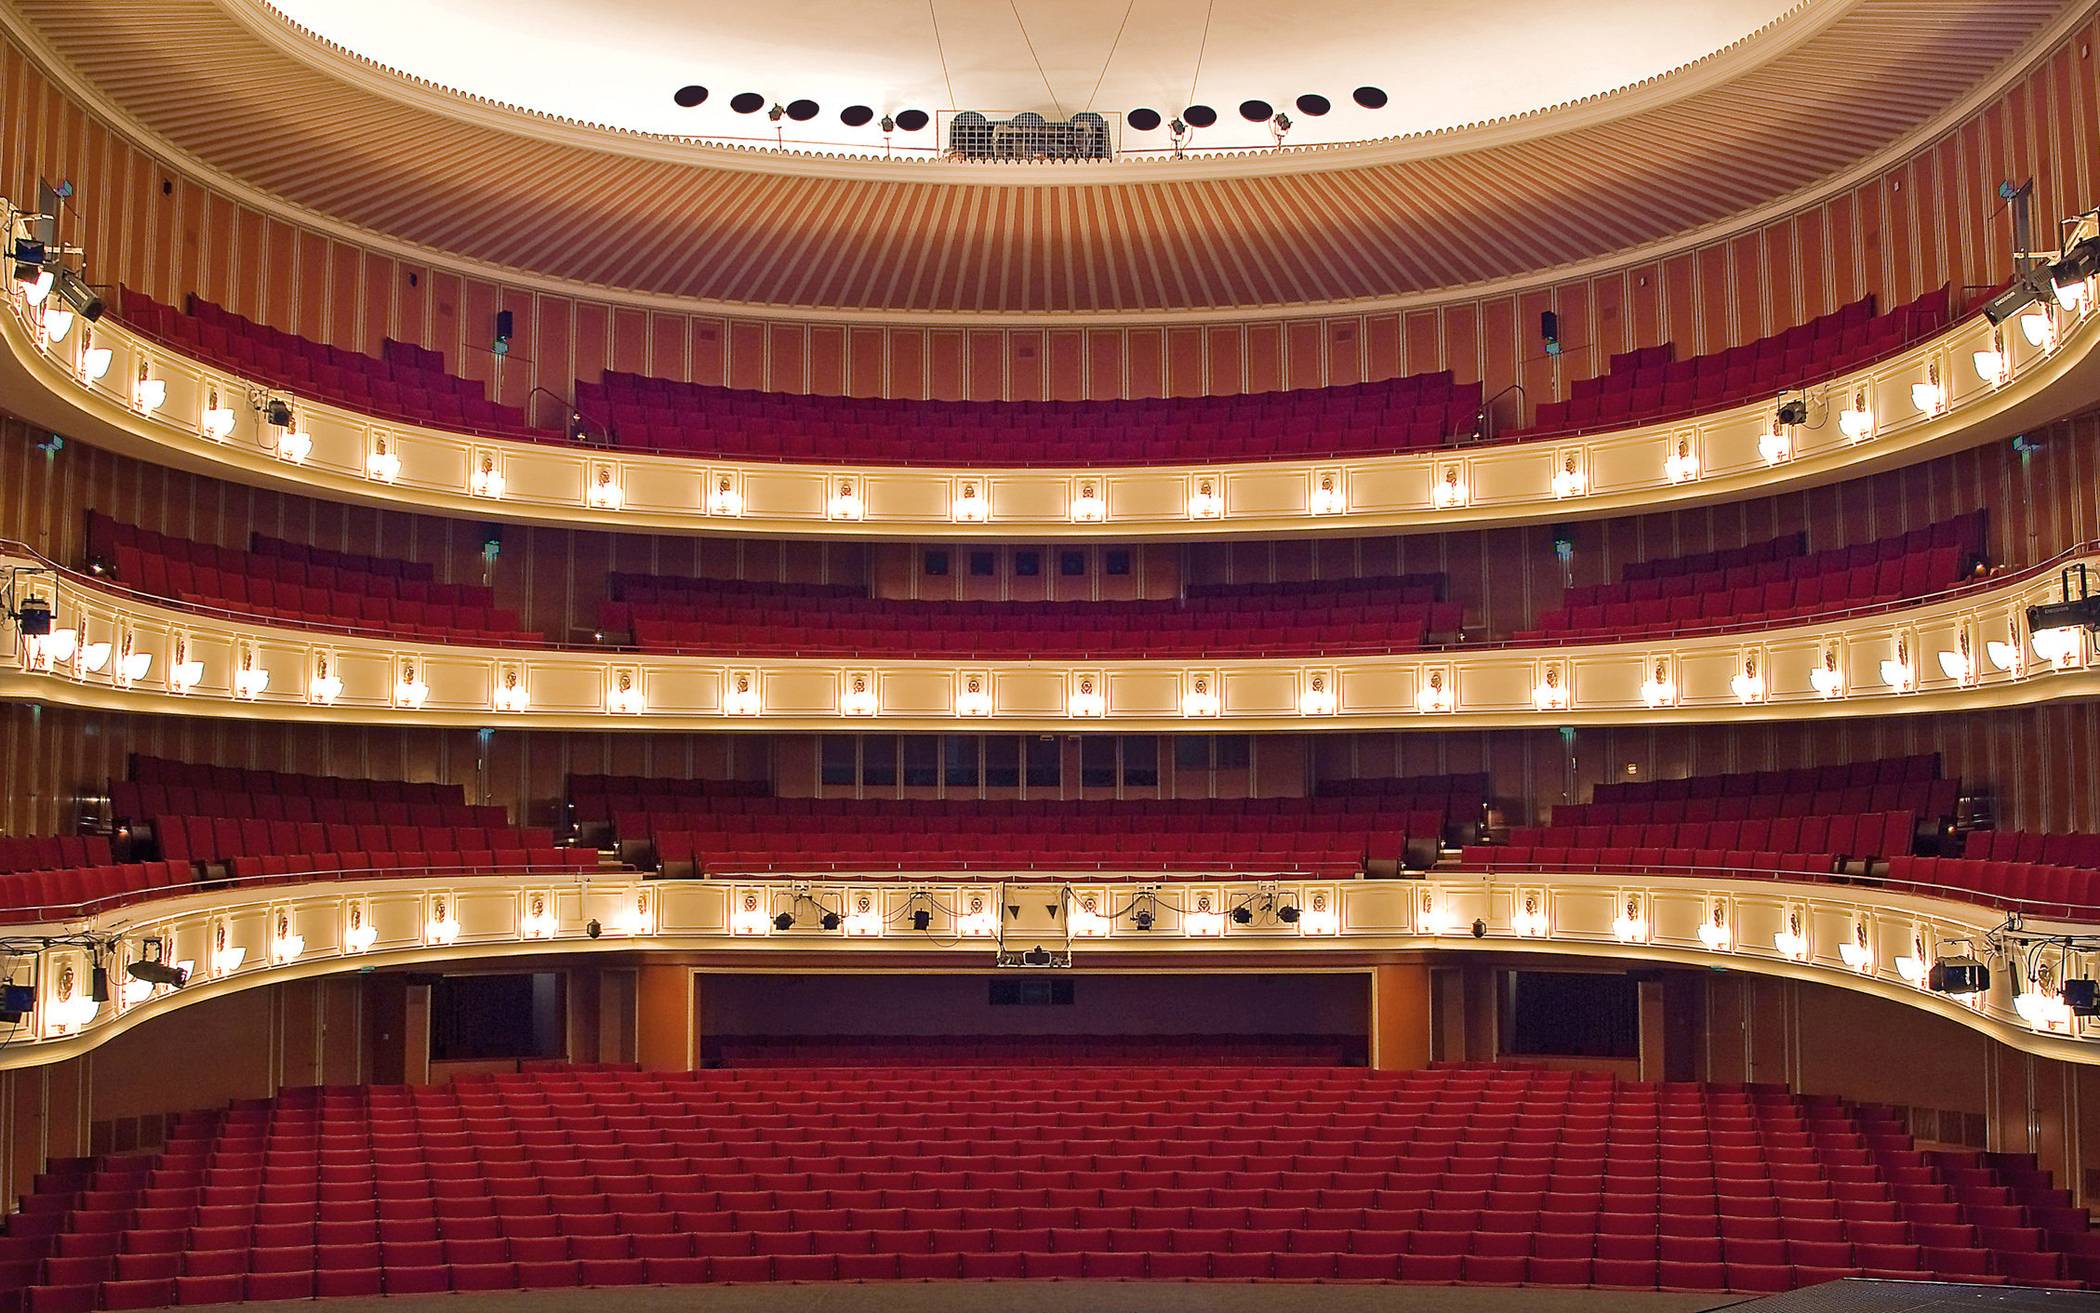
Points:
(687, 97)
(1370, 97)
(802, 111)
(747, 102)
(1199, 116)
(911, 120)
(855, 116)
(1314, 104)
(1144, 120)
(1257, 111)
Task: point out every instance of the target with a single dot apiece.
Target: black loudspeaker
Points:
(505, 321)
(1549, 331)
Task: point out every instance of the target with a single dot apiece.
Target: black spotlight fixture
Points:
(1288, 914)
(1036, 957)
(33, 618)
(1549, 331)
(921, 919)
(29, 257)
(1257, 111)
(829, 921)
(1243, 915)
(1314, 104)
(1480, 928)
(856, 116)
(98, 982)
(592, 928)
(1142, 918)
(1369, 97)
(157, 972)
(2082, 997)
(784, 921)
(912, 120)
(1958, 975)
(802, 111)
(16, 1002)
(77, 292)
(747, 102)
(689, 96)
(1200, 116)
(278, 413)
(1144, 120)
(1794, 411)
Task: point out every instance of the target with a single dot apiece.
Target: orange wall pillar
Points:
(667, 1017)
(1400, 1016)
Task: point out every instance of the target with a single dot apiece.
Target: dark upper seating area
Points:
(1419, 412)
(301, 585)
(1766, 583)
(757, 619)
(1642, 386)
(406, 382)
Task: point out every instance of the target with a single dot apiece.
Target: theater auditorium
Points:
(916, 655)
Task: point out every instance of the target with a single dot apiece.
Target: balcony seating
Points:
(54, 893)
(1918, 768)
(360, 594)
(407, 383)
(44, 852)
(1419, 412)
(1035, 1050)
(564, 1178)
(1788, 584)
(1317, 616)
(1641, 387)
(1326, 836)
(2051, 876)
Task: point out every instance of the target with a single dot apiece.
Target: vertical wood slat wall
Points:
(1929, 219)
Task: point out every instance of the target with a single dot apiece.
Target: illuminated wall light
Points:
(1748, 685)
(488, 480)
(1529, 920)
(1088, 506)
(1435, 918)
(974, 698)
(625, 697)
(1317, 698)
(1569, 480)
(286, 947)
(845, 501)
(250, 681)
(2062, 647)
(384, 464)
(35, 291)
(1086, 700)
(1826, 678)
(148, 393)
(1776, 443)
(1084, 920)
(742, 697)
(538, 920)
(2071, 293)
(980, 921)
(133, 665)
(1549, 694)
(859, 699)
(49, 651)
(1897, 671)
(1929, 397)
(1993, 366)
(217, 419)
(94, 360)
(1204, 924)
(1856, 421)
(295, 444)
(184, 673)
(1682, 467)
(58, 321)
(1714, 931)
(1206, 503)
(2008, 654)
(325, 686)
(69, 1008)
(93, 654)
(2041, 1004)
(1630, 926)
(2039, 328)
(443, 925)
(1319, 914)
(225, 958)
(750, 916)
(510, 692)
(864, 922)
(969, 506)
(1659, 690)
(1915, 965)
(1202, 698)
(1789, 940)
(409, 689)
(1327, 496)
(361, 934)
(1855, 952)
(725, 499)
(606, 493)
(637, 916)
(1959, 665)
(1450, 491)
(1434, 697)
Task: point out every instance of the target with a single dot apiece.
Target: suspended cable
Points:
(1201, 46)
(1110, 57)
(1054, 104)
(942, 50)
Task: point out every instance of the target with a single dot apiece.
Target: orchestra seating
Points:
(1326, 835)
(2053, 876)
(764, 619)
(1034, 1050)
(405, 382)
(1769, 582)
(1423, 411)
(565, 1177)
(1809, 821)
(1640, 387)
(303, 586)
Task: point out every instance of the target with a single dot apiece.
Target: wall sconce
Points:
(741, 698)
(1854, 950)
(1826, 678)
(184, 673)
(1856, 421)
(1569, 480)
(1959, 665)
(384, 464)
(1929, 397)
(727, 498)
(1434, 697)
(443, 926)
(969, 505)
(1549, 694)
(1450, 491)
(1327, 496)
(1529, 920)
(1748, 685)
(325, 686)
(1088, 506)
(973, 696)
(361, 934)
(488, 480)
(1659, 690)
(1714, 931)
(1682, 467)
(1994, 366)
(1085, 699)
(148, 394)
(538, 920)
(845, 501)
(859, 697)
(409, 689)
(606, 493)
(510, 694)
(1316, 695)
(252, 678)
(285, 946)
(625, 697)
(1790, 939)
(1630, 926)
(217, 420)
(1206, 502)
(1201, 699)
(1897, 672)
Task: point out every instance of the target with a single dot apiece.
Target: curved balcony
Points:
(1971, 384)
(234, 937)
(1963, 650)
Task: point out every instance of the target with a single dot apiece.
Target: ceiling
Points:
(1442, 63)
(265, 114)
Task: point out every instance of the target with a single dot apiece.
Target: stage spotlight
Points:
(593, 928)
(2082, 997)
(158, 973)
(1794, 411)
(785, 921)
(829, 921)
(921, 919)
(16, 1002)
(1142, 919)
(76, 292)
(1243, 915)
(34, 618)
(1480, 928)
(1549, 331)
(1958, 975)
(1036, 957)
(98, 983)
(1288, 914)
(278, 413)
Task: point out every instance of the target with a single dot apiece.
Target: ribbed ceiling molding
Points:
(191, 73)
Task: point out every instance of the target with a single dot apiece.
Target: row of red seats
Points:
(1093, 1050)
(1763, 552)
(62, 891)
(1932, 799)
(483, 861)
(131, 800)
(43, 852)
(1870, 834)
(284, 549)
(165, 561)
(2063, 893)
(1740, 863)
(397, 386)
(1065, 815)
(2021, 846)
(1793, 781)
(1644, 390)
(1672, 577)
(217, 838)
(175, 772)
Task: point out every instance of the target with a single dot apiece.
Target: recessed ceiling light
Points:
(689, 96)
(1257, 111)
(1144, 120)
(1313, 104)
(854, 116)
(1370, 97)
(1199, 116)
(911, 120)
(802, 111)
(747, 102)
